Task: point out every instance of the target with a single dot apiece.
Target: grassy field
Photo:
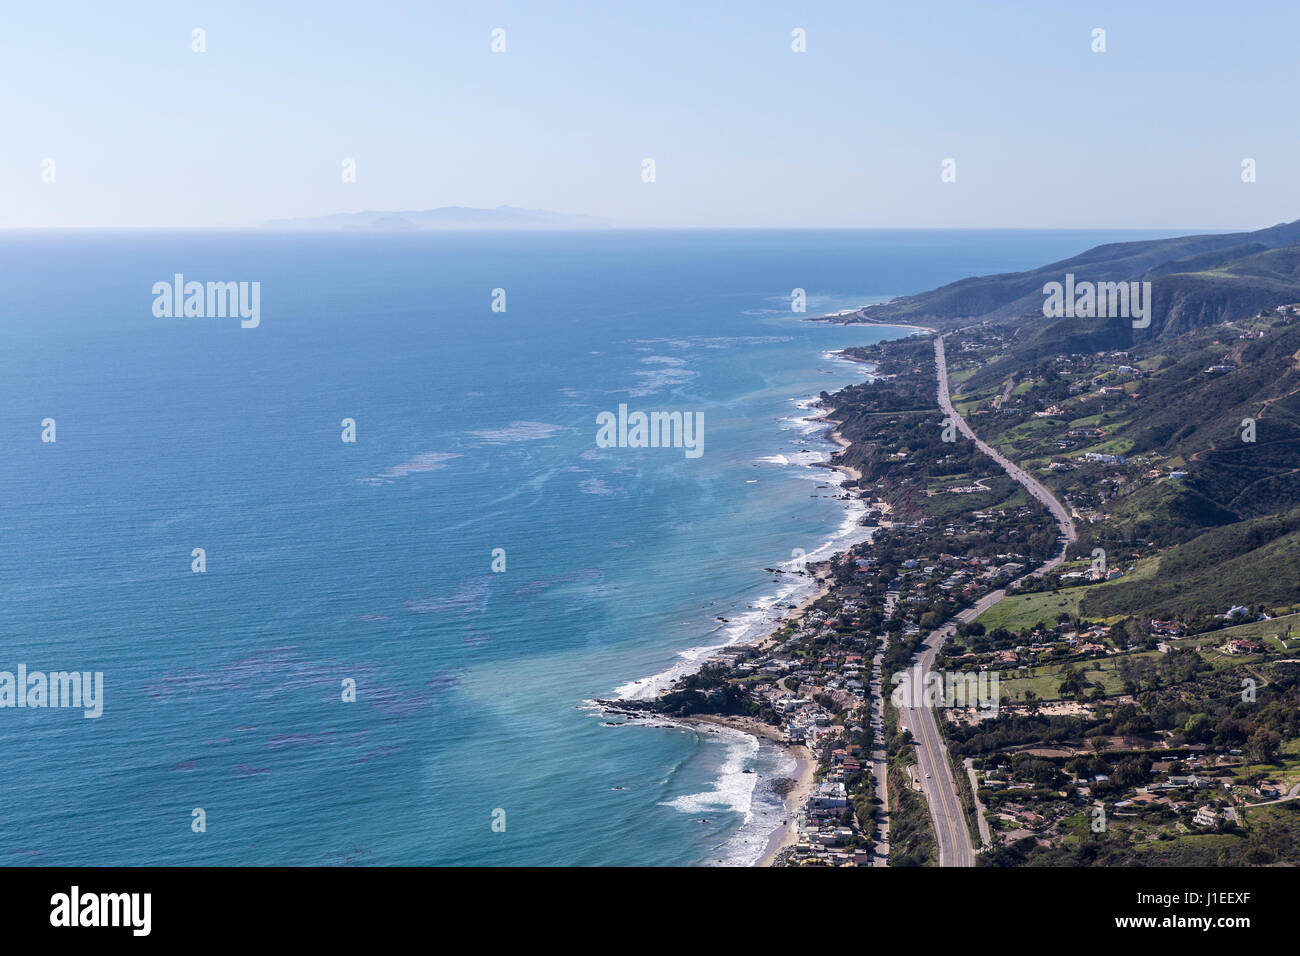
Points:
(1027, 437)
(942, 506)
(1018, 499)
(1287, 774)
(1272, 634)
(1045, 680)
(1144, 569)
(1116, 446)
(1276, 629)
(1026, 610)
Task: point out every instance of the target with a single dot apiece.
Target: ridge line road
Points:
(951, 834)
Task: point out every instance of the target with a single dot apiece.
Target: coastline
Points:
(652, 686)
(846, 317)
(787, 834)
(835, 436)
(885, 325)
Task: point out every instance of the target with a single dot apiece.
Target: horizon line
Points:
(606, 229)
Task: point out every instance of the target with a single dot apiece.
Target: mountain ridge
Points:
(1197, 280)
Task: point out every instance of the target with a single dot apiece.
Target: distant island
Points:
(444, 217)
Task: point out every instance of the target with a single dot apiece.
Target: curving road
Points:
(1031, 484)
(951, 834)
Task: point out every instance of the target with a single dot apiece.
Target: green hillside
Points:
(1195, 281)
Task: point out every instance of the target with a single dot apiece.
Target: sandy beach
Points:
(787, 834)
(835, 436)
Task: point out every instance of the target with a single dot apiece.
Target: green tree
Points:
(1262, 745)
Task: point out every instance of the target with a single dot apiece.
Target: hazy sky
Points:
(744, 132)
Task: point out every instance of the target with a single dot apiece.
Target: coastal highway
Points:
(951, 834)
(1031, 484)
(879, 757)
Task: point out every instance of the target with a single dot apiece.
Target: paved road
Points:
(879, 762)
(981, 819)
(1292, 794)
(1032, 484)
(951, 834)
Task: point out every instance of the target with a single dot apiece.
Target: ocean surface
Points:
(329, 562)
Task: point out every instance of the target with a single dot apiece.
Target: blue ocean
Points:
(226, 735)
